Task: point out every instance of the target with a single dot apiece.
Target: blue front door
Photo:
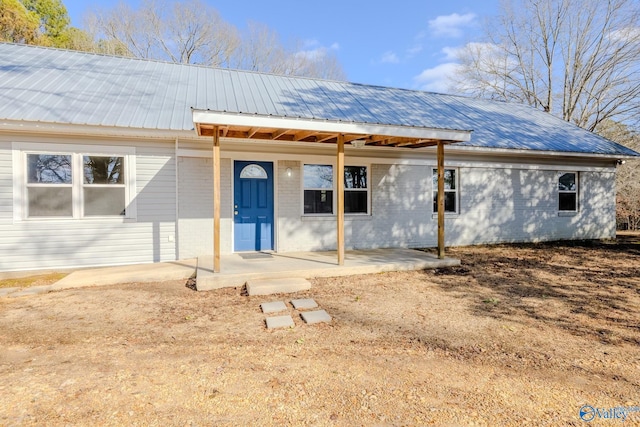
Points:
(253, 206)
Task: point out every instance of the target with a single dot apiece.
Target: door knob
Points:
(235, 212)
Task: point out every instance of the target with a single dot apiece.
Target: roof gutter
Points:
(49, 128)
(514, 151)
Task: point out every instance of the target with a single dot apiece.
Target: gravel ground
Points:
(517, 335)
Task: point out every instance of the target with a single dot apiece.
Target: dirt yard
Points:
(518, 335)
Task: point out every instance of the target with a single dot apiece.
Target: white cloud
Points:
(389, 57)
(312, 54)
(451, 53)
(437, 79)
(626, 35)
(451, 25)
(313, 50)
(414, 50)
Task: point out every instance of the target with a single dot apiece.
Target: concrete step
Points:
(277, 286)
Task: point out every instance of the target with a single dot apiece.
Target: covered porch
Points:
(294, 131)
(240, 268)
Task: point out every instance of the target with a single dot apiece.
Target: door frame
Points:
(251, 158)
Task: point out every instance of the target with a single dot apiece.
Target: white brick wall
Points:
(496, 205)
(512, 205)
(195, 209)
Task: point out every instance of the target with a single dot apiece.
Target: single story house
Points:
(107, 160)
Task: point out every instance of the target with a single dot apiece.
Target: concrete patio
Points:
(237, 269)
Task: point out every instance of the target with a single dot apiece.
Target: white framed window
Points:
(49, 185)
(450, 190)
(319, 189)
(55, 181)
(356, 190)
(103, 186)
(568, 191)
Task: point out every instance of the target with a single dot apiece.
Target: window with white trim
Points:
(103, 188)
(567, 191)
(57, 184)
(450, 190)
(49, 186)
(356, 190)
(319, 189)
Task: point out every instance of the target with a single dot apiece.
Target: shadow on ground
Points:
(589, 288)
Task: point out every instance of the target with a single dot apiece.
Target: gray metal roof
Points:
(58, 86)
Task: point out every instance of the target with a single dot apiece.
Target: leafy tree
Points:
(17, 23)
(54, 19)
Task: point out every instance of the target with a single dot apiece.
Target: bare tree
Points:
(627, 175)
(185, 32)
(579, 59)
(192, 32)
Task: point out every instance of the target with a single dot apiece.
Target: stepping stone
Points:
(304, 303)
(318, 316)
(279, 322)
(277, 286)
(273, 307)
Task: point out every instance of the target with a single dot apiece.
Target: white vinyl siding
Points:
(27, 245)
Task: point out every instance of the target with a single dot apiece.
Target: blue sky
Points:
(408, 44)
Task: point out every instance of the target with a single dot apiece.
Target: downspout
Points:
(176, 227)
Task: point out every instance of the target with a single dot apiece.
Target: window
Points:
(356, 192)
(318, 189)
(56, 181)
(253, 171)
(450, 191)
(567, 191)
(49, 185)
(104, 192)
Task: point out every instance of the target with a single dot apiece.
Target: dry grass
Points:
(518, 335)
(34, 280)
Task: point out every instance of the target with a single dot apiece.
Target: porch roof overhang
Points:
(303, 129)
(221, 124)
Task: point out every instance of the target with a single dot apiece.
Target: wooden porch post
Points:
(340, 187)
(216, 200)
(440, 200)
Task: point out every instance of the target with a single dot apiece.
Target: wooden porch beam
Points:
(340, 188)
(326, 138)
(303, 134)
(279, 133)
(440, 199)
(216, 200)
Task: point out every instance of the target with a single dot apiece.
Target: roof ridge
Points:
(162, 61)
(239, 70)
